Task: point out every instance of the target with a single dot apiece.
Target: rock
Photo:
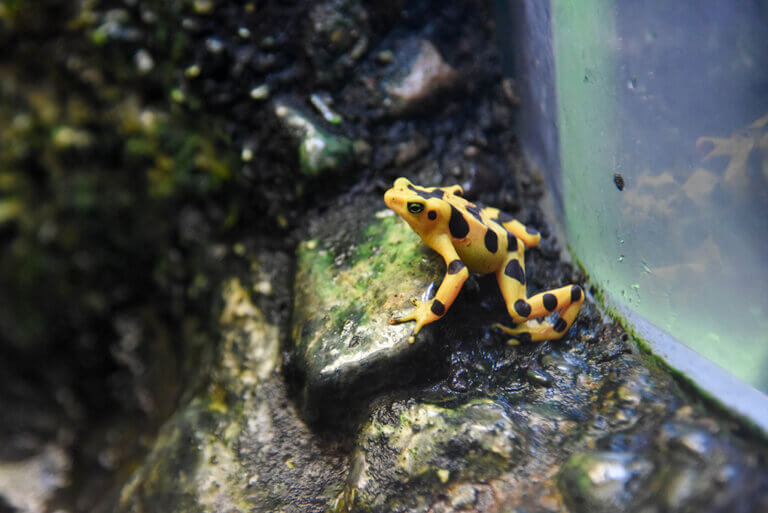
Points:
(682, 486)
(410, 150)
(604, 481)
(68, 137)
(703, 471)
(690, 442)
(538, 377)
(319, 150)
(191, 468)
(345, 293)
(412, 450)
(250, 352)
(420, 74)
(322, 102)
(37, 430)
(338, 36)
(203, 6)
(559, 362)
(260, 92)
(28, 484)
(237, 442)
(193, 464)
(385, 57)
(462, 496)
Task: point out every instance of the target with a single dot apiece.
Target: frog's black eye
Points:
(415, 207)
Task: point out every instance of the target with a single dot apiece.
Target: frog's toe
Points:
(399, 320)
(520, 334)
(513, 330)
(520, 338)
(404, 318)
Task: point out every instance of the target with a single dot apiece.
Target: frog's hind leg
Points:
(567, 300)
(537, 331)
(530, 236)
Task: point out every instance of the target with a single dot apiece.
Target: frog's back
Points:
(480, 241)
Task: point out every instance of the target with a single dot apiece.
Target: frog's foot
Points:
(413, 316)
(533, 331)
(421, 315)
(524, 333)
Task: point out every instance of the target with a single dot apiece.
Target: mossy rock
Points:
(348, 286)
(409, 452)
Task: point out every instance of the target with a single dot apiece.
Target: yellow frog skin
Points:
(473, 237)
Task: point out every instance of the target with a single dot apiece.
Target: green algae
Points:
(388, 254)
(345, 298)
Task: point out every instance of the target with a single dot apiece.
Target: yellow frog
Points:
(472, 237)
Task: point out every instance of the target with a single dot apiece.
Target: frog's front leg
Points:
(436, 307)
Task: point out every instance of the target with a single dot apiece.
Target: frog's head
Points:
(421, 208)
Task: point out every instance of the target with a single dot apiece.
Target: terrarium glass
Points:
(650, 120)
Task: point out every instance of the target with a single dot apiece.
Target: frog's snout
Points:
(391, 199)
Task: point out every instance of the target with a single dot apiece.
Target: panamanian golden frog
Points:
(473, 237)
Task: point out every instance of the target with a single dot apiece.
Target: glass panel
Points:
(662, 114)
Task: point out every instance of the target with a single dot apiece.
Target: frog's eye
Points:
(415, 207)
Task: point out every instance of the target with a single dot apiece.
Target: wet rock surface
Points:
(345, 293)
(215, 269)
(607, 481)
(420, 448)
